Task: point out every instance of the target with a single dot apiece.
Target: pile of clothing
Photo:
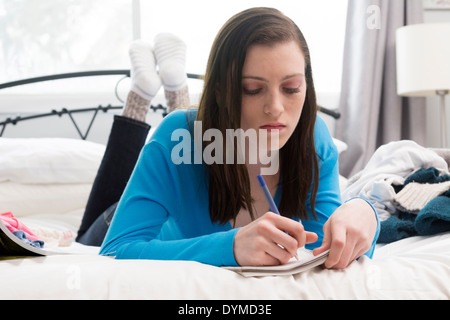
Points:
(409, 186)
(423, 204)
(37, 236)
(20, 230)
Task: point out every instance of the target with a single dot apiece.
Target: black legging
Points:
(126, 139)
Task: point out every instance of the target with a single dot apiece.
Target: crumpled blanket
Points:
(433, 215)
(54, 238)
(390, 165)
(420, 188)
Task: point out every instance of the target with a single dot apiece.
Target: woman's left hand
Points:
(348, 233)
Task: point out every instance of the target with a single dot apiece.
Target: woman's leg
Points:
(125, 142)
(127, 137)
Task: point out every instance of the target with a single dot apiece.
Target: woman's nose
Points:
(274, 105)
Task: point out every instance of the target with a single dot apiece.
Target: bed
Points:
(45, 183)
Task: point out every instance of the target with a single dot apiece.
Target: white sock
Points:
(170, 53)
(145, 79)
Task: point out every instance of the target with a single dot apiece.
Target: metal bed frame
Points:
(125, 73)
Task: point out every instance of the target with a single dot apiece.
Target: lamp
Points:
(423, 64)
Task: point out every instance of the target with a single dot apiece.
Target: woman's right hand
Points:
(270, 240)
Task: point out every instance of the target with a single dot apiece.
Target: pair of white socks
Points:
(169, 55)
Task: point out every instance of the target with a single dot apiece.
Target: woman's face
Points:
(274, 89)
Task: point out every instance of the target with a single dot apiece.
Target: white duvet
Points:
(414, 268)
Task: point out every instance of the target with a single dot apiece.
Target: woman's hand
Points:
(265, 242)
(348, 233)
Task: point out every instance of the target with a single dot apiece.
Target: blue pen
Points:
(272, 205)
(267, 194)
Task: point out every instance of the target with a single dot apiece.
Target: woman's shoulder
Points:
(325, 146)
(182, 120)
(178, 119)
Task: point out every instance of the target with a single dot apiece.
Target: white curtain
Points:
(372, 112)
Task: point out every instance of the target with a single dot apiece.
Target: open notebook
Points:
(306, 260)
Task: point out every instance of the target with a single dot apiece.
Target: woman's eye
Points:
(252, 92)
(292, 90)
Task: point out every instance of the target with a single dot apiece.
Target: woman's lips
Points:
(273, 126)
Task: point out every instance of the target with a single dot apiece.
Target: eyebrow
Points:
(265, 80)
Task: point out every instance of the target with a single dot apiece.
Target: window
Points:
(42, 37)
(58, 36)
(198, 21)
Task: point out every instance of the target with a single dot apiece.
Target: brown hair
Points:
(220, 108)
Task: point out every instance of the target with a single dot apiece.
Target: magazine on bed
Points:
(11, 246)
(306, 260)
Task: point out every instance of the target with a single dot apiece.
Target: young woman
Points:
(258, 79)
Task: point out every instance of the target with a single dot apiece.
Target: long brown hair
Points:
(220, 108)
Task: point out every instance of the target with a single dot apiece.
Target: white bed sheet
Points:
(414, 268)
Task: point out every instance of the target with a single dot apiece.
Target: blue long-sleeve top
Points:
(163, 213)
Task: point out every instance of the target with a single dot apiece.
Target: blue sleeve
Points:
(153, 222)
(328, 195)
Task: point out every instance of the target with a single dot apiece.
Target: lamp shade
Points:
(423, 59)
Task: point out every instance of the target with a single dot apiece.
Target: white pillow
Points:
(29, 199)
(341, 145)
(49, 160)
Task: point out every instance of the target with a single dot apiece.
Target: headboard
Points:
(94, 110)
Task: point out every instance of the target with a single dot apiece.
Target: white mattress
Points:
(414, 268)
